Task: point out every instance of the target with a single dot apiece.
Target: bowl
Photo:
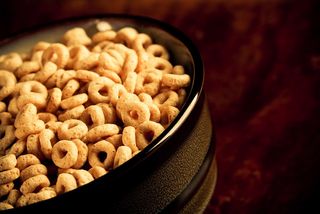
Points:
(177, 171)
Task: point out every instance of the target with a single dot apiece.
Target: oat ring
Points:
(10, 62)
(77, 53)
(7, 83)
(129, 138)
(74, 101)
(115, 92)
(126, 36)
(7, 137)
(148, 81)
(100, 132)
(33, 170)
(123, 154)
(65, 183)
(147, 132)
(157, 50)
(72, 129)
(70, 88)
(176, 80)
(98, 90)
(34, 183)
(132, 113)
(33, 146)
(56, 53)
(54, 100)
(168, 113)
(9, 175)
(43, 194)
(7, 162)
(82, 153)
(153, 108)
(166, 98)
(97, 171)
(23, 161)
(93, 116)
(17, 148)
(47, 139)
(73, 113)
(82, 176)
(102, 154)
(47, 71)
(64, 154)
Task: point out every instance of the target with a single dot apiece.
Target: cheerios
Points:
(64, 154)
(73, 110)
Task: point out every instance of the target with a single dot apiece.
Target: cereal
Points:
(76, 36)
(100, 132)
(65, 183)
(10, 62)
(147, 132)
(3, 106)
(33, 170)
(123, 154)
(26, 68)
(7, 162)
(148, 81)
(34, 183)
(9, 175)
(23, 161)
(33, 146)
(73, 110)
(93, 116)
(166, 98)
(5, 206)
(97, 171)
(176, 80)
(98, 90)
(102, 154)
(47, 71)
(72, 129)
(47, 139)
(64, 154)
(13, 196)
(74, 101)
(7, 137)
(7, 83)
(168, 113)
(82, 153)
(73, 113)
(129, 138)
(56, 53)
(132, 112)
(17, 148)
(6, 188)
(55, 96)
(82, 176)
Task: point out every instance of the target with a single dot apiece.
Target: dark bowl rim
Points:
(192, 98)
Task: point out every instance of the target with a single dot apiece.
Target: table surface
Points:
(262, 63)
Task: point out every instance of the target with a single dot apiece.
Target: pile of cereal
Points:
(73, 110)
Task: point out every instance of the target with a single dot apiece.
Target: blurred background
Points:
(262, 63)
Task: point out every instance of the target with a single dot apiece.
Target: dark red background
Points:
(262, 62)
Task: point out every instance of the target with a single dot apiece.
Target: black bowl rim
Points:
(192, 98)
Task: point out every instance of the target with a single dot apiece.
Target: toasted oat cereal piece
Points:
(6, 188)
(64, 154)
(76, 36)
(7, 162)
(7, 83)
(97, 171)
